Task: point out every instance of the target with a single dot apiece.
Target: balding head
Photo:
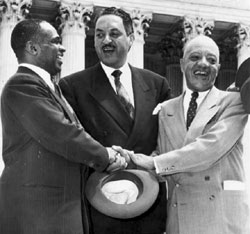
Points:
(200, 63)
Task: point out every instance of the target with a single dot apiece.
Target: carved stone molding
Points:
(74, 15)
(14, 10)
(141, 21)
(243, 33)
(194, 26)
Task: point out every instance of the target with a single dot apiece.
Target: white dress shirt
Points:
(41, 72)
(125, 78)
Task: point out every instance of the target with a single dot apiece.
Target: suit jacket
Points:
(43, 151)
(201, 164)
(98, 108)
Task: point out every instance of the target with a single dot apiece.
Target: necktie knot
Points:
(116, 74)
(195, 95)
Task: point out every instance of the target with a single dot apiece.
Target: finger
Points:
(117, 148)
(115, 165)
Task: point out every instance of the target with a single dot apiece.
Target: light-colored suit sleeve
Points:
(222, 131)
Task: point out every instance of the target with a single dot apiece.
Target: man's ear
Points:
(32, 48)
(182, 64)
(131, 39)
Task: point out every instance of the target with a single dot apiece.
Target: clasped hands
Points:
(119, 159)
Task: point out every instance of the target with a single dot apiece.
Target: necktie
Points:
(192, 108)
(56, 86)
(122, 94)
(59, 94)
(57, 89)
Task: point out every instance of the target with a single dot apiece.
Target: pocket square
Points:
(157, 109)
(233, 185)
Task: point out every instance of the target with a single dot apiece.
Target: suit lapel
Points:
(208, 108)
(58, 99)
(174, 116)
(142, 98)
(103, 92)
(67, 111)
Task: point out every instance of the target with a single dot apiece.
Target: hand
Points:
(116, 161)
(123, 152)
(142, 160)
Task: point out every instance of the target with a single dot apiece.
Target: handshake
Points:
(119, 159)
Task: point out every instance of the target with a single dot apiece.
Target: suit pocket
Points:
(236, 210)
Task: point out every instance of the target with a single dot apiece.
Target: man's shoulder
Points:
(82, 76)
(147, 72)
(229, 97)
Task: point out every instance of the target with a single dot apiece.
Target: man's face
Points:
(200, 64)
(111, 41)
(51, 50)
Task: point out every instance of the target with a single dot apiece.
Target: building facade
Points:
(161, 29)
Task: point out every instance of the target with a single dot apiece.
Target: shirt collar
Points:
(201, 96)
(39, 71)
(108, 70)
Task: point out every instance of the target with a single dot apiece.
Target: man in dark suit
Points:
(95, 96)
(44, 146)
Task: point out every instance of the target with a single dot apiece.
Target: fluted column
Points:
(74, 16)
(194, 26)
(11, 11)
(141, 25)
(244, 53)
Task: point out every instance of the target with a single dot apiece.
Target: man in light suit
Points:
(93, 95)
(202, 163)
(44, 147)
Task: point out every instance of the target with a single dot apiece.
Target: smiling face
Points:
(51, 51)
(200, 63)
(111, 41)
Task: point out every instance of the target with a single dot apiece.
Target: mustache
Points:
(108, 46)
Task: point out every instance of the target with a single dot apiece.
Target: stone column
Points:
(244, 53)
(11, 12)
(141, 25)
(194, 26)
(74, 16)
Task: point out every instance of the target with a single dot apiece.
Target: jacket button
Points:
(212, 197)
(177, 185)
(175, 205)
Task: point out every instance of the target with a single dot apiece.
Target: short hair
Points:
(26, 30)
(126, 19)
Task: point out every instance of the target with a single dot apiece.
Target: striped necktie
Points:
(122, 94)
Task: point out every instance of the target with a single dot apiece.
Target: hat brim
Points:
(145, 181)
(243, 73)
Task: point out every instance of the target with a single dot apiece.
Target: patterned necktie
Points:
(58, 91)
(192, 108)
(122, 94)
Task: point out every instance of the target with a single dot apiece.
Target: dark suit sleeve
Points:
(44, 120)
(165, 91)
(245, 95)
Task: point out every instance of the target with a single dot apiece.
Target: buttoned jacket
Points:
(98, 108)
(44, 150)
(200, 163)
